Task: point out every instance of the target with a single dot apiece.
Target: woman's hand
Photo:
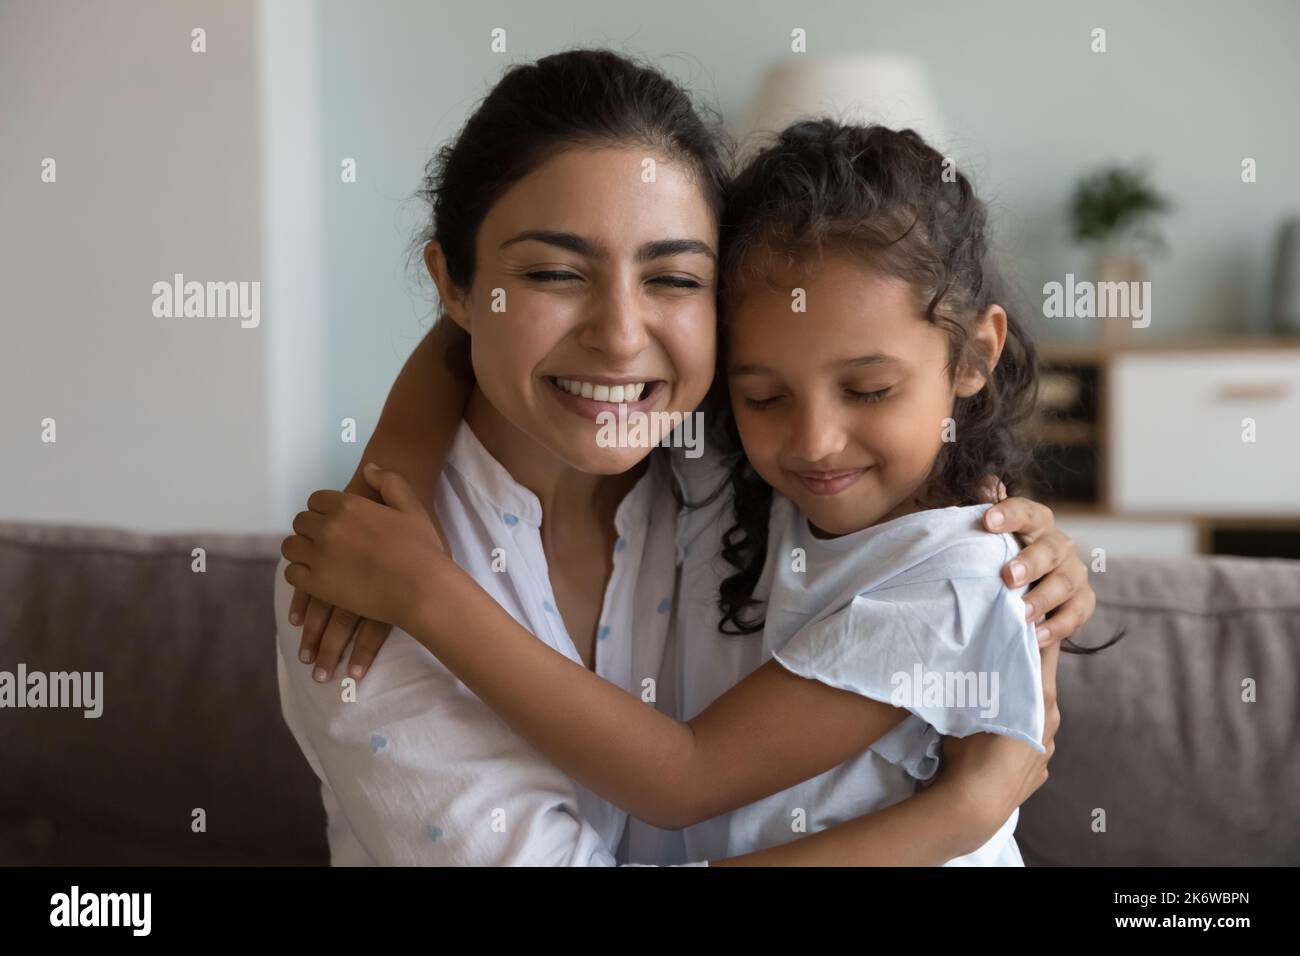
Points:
(996, 773)
(1048, 558)
(372, 559)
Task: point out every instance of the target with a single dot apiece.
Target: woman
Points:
(574, 243)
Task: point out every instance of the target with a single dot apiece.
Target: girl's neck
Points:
(566, 495)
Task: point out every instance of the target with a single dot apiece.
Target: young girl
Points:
(874, 378)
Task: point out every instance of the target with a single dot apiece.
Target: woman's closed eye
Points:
(563, 275)
(552, 275)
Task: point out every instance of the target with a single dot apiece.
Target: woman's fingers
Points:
(315, 618)
(338, 633)
(1039, 558)
(1057, 588)
(1068, 619)
(298, 606)
(1020, 516)
(370, 638)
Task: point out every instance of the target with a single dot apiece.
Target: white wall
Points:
(160, 423)
(1191, 87)
(164, 157)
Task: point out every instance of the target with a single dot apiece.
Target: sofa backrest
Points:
(1182, 740)
(1157, 732)
(190, 707)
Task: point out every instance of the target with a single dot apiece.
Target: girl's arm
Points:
(944, 821)
(771, 731)
(413, 437)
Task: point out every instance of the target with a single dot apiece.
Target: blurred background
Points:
(1155, 142)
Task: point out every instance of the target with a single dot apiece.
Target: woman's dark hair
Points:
(536, 110)
(891, 201)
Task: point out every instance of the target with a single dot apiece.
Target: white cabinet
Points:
(1137, 538)
(1205, 432)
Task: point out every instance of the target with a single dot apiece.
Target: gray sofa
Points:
(1156, 739)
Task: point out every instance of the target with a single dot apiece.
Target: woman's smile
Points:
(589, 396)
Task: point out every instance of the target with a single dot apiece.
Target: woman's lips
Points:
(829, 482)
(589, 408)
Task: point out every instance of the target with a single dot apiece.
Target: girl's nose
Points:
(816, 433)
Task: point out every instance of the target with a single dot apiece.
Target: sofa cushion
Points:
(1158, 731)
(191, 711)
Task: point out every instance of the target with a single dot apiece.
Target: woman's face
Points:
(591, 279)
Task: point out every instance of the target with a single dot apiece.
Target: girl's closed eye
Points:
(872, 396)
(758, 404)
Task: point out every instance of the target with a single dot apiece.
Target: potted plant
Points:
(1113, 210)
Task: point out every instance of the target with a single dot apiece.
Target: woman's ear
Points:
(986, 340)
(449, 294)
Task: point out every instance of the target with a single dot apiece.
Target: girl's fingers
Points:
(370, 638)
(338, 633)
(296, 549)
(315, 619)
(307, 524)
(323, 502)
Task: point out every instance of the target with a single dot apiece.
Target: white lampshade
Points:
(887, 89)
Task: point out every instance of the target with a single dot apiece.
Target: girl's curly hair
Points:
(888, 199)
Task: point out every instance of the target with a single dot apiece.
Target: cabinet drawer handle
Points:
(1254, 391)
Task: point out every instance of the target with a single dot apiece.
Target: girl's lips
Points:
(829, 482)
(589, 408)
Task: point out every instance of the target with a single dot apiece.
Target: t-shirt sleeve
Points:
(956, 653)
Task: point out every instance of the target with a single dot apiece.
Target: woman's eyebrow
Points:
(572, 242)
(564, 240)
(661, 248)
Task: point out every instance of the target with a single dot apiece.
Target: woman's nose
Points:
(616, 325)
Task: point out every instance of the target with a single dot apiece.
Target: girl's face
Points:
(840, 408)
(590, 279)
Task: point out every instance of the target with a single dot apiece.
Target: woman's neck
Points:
(565, 494)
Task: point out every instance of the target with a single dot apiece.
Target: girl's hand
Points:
(373, 559)
(327, 630)
(995, 773)
(1049, 559)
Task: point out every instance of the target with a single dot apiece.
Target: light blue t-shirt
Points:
(912, 612)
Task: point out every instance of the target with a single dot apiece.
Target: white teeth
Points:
(616, 394)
